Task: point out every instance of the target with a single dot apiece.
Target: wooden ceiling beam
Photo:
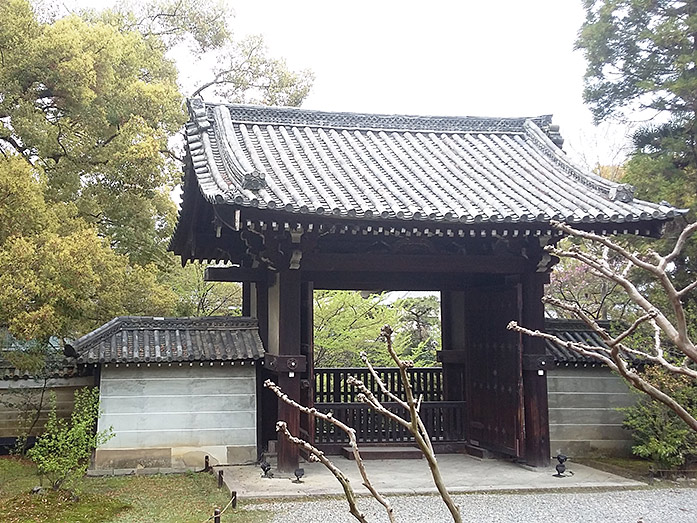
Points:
(415, 263)
(235, 274)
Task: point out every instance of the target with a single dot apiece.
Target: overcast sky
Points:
(437, 57)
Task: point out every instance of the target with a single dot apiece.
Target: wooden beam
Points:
(238, 274)
(421, 263)
(388, 281)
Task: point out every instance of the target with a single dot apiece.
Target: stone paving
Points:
(462, 474)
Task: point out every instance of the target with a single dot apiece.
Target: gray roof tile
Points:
(135, 339)
(577, 331)
(368, 166)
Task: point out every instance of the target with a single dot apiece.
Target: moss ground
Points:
(172, 498)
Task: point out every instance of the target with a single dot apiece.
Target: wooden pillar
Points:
(307, 383)
(289, 339)
(453, 344)
(267, 410)
(537, 451)
(247, 289)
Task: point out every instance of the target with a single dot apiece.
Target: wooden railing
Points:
(331, 387)
(444, 421)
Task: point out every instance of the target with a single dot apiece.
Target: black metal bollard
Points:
(220, 479)
(216, 515)
(234, 498)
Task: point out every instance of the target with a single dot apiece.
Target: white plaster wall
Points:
(193, 410)
(584, 415)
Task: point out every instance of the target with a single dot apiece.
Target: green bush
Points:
(659, 433)
(63, 452)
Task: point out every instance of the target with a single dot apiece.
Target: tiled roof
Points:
(58, 365)
(572, 330)
(145, 339)
(65, 368)
(366, 166)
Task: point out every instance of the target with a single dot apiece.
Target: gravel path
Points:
(634, 506)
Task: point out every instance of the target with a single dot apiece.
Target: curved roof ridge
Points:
(295, 116)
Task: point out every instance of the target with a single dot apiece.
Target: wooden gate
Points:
(494, 370)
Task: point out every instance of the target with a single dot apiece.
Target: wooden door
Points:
(493, 369)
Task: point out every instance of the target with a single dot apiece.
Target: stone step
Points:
(384, 453)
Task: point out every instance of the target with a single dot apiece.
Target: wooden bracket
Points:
(536, 362)
(285, 363)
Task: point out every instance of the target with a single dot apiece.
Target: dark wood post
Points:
(307, 423)
(289, 337)
(267, 409)
(537, 452)
(453, 343)
(247, 288)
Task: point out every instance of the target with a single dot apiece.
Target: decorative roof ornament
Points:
(254, 181)
(200, 113)
(622, 192)
(552, 131)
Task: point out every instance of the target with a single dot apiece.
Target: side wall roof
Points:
(135, 339)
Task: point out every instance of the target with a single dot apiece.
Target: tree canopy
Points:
(642, 65)
(90, 111)
(57, 275)
(348, 323)
(640, 53)
(641, 58)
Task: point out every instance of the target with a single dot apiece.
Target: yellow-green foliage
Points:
(57, 275)
(63, 451)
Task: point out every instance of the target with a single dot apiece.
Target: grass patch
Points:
(632, 468)
(172, 498)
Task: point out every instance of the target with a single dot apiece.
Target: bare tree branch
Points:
(350, 495)
(676, 333)
(671, 325)
(350, 432)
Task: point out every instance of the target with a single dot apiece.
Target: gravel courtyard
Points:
(655, 505)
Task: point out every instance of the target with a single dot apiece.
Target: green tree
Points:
(417, 332)
(63, 452)
(93, 108)
(346, 324)
(90, 104)
(640, 54)
(197, 297)
(57, 275)
(660, 435)
(642, 64)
